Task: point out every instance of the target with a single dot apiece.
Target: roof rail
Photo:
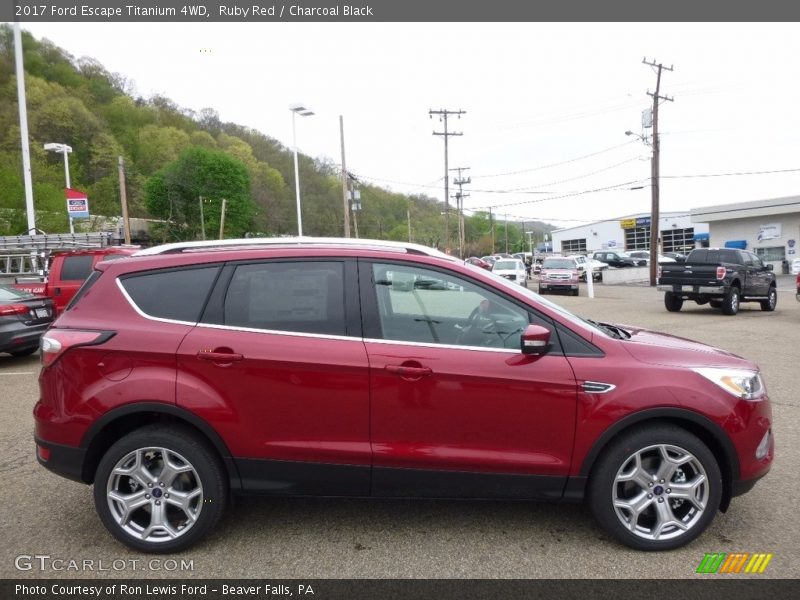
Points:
(294, 241)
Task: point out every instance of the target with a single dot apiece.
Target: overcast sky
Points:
(535, 94)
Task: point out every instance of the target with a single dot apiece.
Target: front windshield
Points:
(578, 322)
(555, 263)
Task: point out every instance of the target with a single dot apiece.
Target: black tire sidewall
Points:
(205, 462)
(613, 457)
(727, 303)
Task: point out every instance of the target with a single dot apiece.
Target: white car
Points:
(795, 268)
(511, 268)
(583, 262)
(644, 254)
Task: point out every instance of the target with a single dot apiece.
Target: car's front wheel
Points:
(656, 488)
(160, 489)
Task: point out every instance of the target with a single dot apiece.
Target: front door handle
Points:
(221, 358)
(409, 372)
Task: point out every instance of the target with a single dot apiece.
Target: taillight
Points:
(56, 342)
(721, 272)
(13, 309)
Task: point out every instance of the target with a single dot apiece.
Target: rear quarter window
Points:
(175, 294)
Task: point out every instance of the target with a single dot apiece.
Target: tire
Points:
(576, 292)
(730, 304)
(541, 291)
(637, 503)
(771, 302)
(201, 480)
(715, 303)
(672, 302)
(25, 352)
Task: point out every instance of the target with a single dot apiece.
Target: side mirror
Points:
(769, 266)
(535, 340)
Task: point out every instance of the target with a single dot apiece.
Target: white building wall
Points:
(748, 229)
(609, 234)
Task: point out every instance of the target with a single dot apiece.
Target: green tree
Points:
(173, 194)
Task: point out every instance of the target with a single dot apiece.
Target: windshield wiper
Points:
(611, 330)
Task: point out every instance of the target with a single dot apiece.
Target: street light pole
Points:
(303, 111)
(65, 150)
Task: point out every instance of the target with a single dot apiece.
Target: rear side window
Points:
(177, 294)
(303, 297)
(76, 268)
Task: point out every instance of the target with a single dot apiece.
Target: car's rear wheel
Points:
(672, 302)
(656, 488)
(772, 300)
(160, 489)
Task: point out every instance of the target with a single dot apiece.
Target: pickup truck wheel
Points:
(730, 304)
(672, 302)
(771, 301)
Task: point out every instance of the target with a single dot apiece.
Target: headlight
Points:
(742, 383)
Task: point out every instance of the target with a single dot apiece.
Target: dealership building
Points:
(679, 233)
(769, 228)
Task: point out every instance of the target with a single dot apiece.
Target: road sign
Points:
(77, 204)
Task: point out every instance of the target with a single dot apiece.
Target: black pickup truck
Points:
(721, 277)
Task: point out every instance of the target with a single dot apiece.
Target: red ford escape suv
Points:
(194, 371)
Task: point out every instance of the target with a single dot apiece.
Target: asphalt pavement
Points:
(45, 515)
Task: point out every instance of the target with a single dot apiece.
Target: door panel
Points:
(291, 405)
(471, 408)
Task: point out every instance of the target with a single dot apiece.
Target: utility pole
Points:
(355, 199)
(506, 216)
(222, 220)
(461, 182)
(345, 199)
(443, 114)
(123, 198)
(491, 226)
(655, 171)
(202, 220)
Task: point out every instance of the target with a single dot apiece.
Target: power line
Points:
(556, 164)
(734, 174)
(618, 186)
(584, 176)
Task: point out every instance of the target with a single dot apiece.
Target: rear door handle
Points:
(409, 372)
(220, 357)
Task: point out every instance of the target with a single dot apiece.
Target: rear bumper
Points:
(62, 460)
(15, 336)
(693, 289)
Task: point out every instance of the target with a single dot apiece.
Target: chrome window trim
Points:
(303, 334)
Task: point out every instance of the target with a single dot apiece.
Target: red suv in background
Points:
(193, 371)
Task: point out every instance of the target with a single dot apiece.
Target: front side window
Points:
(302, 297)
(425, 306)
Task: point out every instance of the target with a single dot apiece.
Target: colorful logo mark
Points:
(737, 562)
